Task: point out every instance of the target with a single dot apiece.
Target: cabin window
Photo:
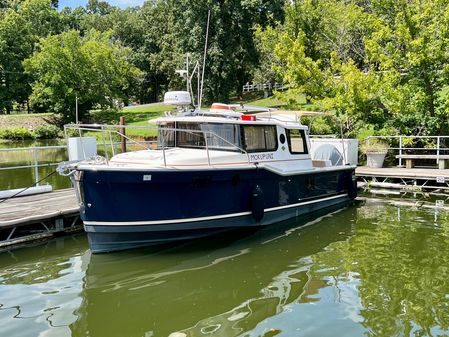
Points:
(166, 135)
(192, 135)
(260, 138)
(189, 135)
(222, 136)
(296, 141)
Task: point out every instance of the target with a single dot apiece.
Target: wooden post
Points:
(122, 134)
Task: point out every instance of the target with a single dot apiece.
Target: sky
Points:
(119, 3)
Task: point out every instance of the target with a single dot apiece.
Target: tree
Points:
(391, 72)
(232, 53)
(355, 97)
(298, 69)
(42, 17)
(412, 40)
(173, 28)
(21, 25)
(15, 45)
(93, 68)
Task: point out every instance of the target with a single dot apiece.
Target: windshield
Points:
(195, 135)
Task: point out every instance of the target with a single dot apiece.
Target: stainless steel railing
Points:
(36, 163)
(403, 141)
(109, 132)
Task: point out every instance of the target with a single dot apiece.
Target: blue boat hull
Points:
(123, 210)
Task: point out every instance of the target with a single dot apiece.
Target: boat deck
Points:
(32, 217)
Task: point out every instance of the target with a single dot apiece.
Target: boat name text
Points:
(262, 156)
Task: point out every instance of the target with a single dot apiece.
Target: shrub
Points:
(16, 133)
(47, 132)
(375, 145)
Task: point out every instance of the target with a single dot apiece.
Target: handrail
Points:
(36, 164)
(401, 148)
(33, 148)
(105, 128)
(205, 132)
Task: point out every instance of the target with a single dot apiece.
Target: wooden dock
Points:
(405, 178)
(35, 217)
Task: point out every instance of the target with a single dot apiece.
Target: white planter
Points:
(375, 159)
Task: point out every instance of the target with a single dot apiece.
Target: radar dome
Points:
(178, 98)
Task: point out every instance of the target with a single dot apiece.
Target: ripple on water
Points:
(367, 270)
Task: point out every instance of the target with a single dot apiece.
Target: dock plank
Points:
(401, 172)
(23, 210)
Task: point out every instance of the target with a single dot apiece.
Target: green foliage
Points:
(298, 69)
(373, 145)
(231, 54)
(15, 45)
(378, 65)
(16, 133)
(373, 64)
(20, 28)
(92, 68)
(47, 132)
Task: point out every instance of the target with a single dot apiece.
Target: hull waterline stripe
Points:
(213, 217)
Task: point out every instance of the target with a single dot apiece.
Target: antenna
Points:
(204, 60)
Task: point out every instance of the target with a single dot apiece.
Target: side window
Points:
(296, 141)
(186, 138)
(260, 138)
(166, 135)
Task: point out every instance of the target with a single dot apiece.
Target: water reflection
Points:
(222, 286)
(402, 266)
(17, 178)
(40, 288)
(373, 269)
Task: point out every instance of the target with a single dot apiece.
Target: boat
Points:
(212, 170)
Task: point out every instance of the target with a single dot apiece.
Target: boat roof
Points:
(288, 121)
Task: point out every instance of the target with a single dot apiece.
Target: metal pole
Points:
(187, 69)
(400, 151)
(207, 148)
(76, 109)
(342, 143)
(123, 133)
(198, 86)
(163, 148)
(36, 168)
(204, 60)
(438, 150)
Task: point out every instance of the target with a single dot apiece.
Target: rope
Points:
(33, 184)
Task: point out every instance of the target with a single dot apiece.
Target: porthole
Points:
(282, 138)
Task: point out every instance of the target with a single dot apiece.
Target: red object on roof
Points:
(249, 118)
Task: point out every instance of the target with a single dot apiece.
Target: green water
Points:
(371, 269)
(19, 178)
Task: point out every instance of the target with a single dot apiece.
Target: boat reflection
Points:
(224, 284)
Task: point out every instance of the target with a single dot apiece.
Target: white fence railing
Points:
(250, 87)
(435, 144)
(36, 150)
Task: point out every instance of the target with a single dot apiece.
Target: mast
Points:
(204, 61)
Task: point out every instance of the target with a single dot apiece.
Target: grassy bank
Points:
(32, 126)
(135, 116)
